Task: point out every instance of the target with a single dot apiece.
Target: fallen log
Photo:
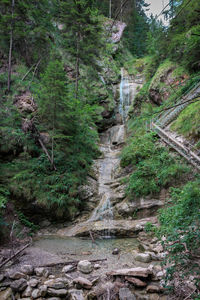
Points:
(136, 272)
(72, 262)
(13, 256)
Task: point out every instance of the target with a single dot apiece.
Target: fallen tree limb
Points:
(13, 256)
(75, 262)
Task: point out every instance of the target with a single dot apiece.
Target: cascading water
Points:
(124, 95)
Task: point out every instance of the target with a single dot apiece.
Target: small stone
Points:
(52, 276)
(53, 298)
(115, 251)
(153, 288)
(84, 266)
(55, 283)
(19, 285)
(68, 268)
(143, 257)
(6, 294)
(27, 292)
(59, 293)
(97, 266)
(136, 281)
(43, 290)
(76, 294)
(41, 272)
(33, 282)
(126, 294)
(36, 294)
(83, 283)
(161, 275)
(15, 274)
(27, 269)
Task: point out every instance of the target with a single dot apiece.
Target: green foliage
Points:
(149, 227)
(179, 223)
(23, 219)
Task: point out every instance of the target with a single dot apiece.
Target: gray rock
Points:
(15, 274)
(115, 251)
(57, 283)
(27, 269)
(83, 283)
(57, 293)
(36, 293)
(43, 290)
(27, 292)
(76, 294)
(6, 294)
(143, 257)
(33, 282)
(53, 298)
(125, 294)
(84, 266)
(52, 276)
(19, 285)
(1, 277)
(41, 272)
(68, 268)
(97, 266)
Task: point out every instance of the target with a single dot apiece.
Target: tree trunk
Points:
(110, 9)
(11, 46)
(77, 63)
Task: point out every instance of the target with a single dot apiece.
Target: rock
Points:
(68, 268)
(45, 223)
(143, 257)
(15, 274)
(19, 285)
(43, 290)
(52, 276)
(84, 266)
(6, 295)
(138, 272)
(41, 272)
(27, 292)
(83, 283)
(160, 275)
(57, 293)
(76, 294)
(136, 281)
(36, 294)
(33, 282)
(57, 283)
(115, 251)
(27, 269)
(1, 277)
(152, 288)
(97, 266)
(125, 294)
(158, 248)
(53, 298)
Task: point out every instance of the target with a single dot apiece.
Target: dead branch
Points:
(13, 256)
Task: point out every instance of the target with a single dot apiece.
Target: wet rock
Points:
(143, 257)
(36, 293)
(6, 295)
(84, 266)
(41, 272)
(76, 295)
(135, 281)
(27, 269)
(33, 282)
(152, 288)
(138, 272)
(19, 285)
(57, 293)
(68, 268)
(27, 292)
(97, 266)
(15, 274)
(126, 294)
(83, 283)
(115, 251)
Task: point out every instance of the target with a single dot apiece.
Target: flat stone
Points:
(143, 257)
(15, 274)
(6, 295)
(151, 288)
(83, 283)
(56, 283)
(36, 293)
(76, 294)
(27, 269)
(138, 272)
(84, 266)
(59, 293)
(126, 294)
(33, 282)
(136, 281)
(19, 285)
(68, 268)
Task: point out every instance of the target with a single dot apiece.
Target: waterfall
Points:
(124, 96)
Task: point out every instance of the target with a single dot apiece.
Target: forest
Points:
(61, 64)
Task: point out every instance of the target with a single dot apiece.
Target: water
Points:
(124, 96)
